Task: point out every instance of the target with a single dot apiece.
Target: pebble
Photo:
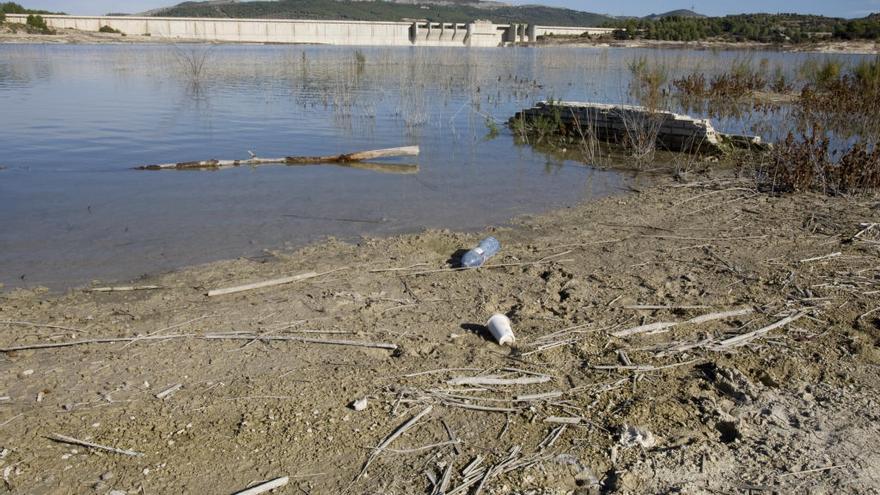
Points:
(360, 404)
(26, 373)
(107, 476)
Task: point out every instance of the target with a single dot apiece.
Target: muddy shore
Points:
(853, 47)
(717, 404)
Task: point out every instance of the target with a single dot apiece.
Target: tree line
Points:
(764, 28)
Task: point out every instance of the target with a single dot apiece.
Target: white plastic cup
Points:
(499, 327)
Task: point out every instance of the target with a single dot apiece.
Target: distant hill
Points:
(684, 13)
(14, 8)
(397, 10)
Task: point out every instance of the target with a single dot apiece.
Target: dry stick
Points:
(289, 160)
(748, 337)
(713, 192)
(169, 391)
(400, 269)
(265, 487)
(743, 238)
(563, 420)
(452, 437)
(650, 328)
(720, 316)
(421, 449)
(94, 341)
(548, 395)
(495, 380)
(868, 313)
(663, 326)
(816, 470)
(648, 306)
(390, 438)
(453, 403)
(354, 343)
(38, 325)
(820, 258)
(125, 288)
(644, 367)
(73, 441)
(260, 285)
(441, 370)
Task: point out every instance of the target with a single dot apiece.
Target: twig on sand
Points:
(110, 340)
(680, 238)
(654, 307)
(390, 438)
(496, 380)
(816, 470)
(745, 338)
(265, 487)
(288, 160)
(723, 315)
(658, 327)
(666, 325)
(263, 284)
(420, 449)
(73, 441)
(125, 288)
(398, 269)
(218, 336)
(643, 367)
(563, 420)
(354, 343)
(169, 391)
(820, 258)
(37, 325)
(440, 370)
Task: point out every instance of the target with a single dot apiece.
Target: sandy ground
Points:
(792, 409)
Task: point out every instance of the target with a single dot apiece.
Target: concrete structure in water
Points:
(620, 123)
(421, 33)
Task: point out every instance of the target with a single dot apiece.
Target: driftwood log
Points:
(360, 156)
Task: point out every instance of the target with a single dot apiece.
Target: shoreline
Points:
(842, 47)
(72, 36)
(568, 279)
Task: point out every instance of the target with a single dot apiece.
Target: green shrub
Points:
(108, 29)
(37, 22)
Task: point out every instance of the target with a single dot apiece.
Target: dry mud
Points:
(790, 410)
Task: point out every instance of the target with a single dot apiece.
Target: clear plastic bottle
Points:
(477, 256)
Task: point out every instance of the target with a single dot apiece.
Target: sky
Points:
(837, 8)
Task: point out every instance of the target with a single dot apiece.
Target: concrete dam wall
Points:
(478, 33)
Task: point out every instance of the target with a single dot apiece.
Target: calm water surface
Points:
(75, 119)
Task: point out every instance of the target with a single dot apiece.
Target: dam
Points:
(421, 33)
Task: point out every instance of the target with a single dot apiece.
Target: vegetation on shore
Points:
(830, 142)
(763, 28)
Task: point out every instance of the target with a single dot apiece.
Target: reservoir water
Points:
(75, 119)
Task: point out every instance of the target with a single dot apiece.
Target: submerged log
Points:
(347, 158)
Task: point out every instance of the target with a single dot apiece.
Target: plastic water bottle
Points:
(477, 256)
